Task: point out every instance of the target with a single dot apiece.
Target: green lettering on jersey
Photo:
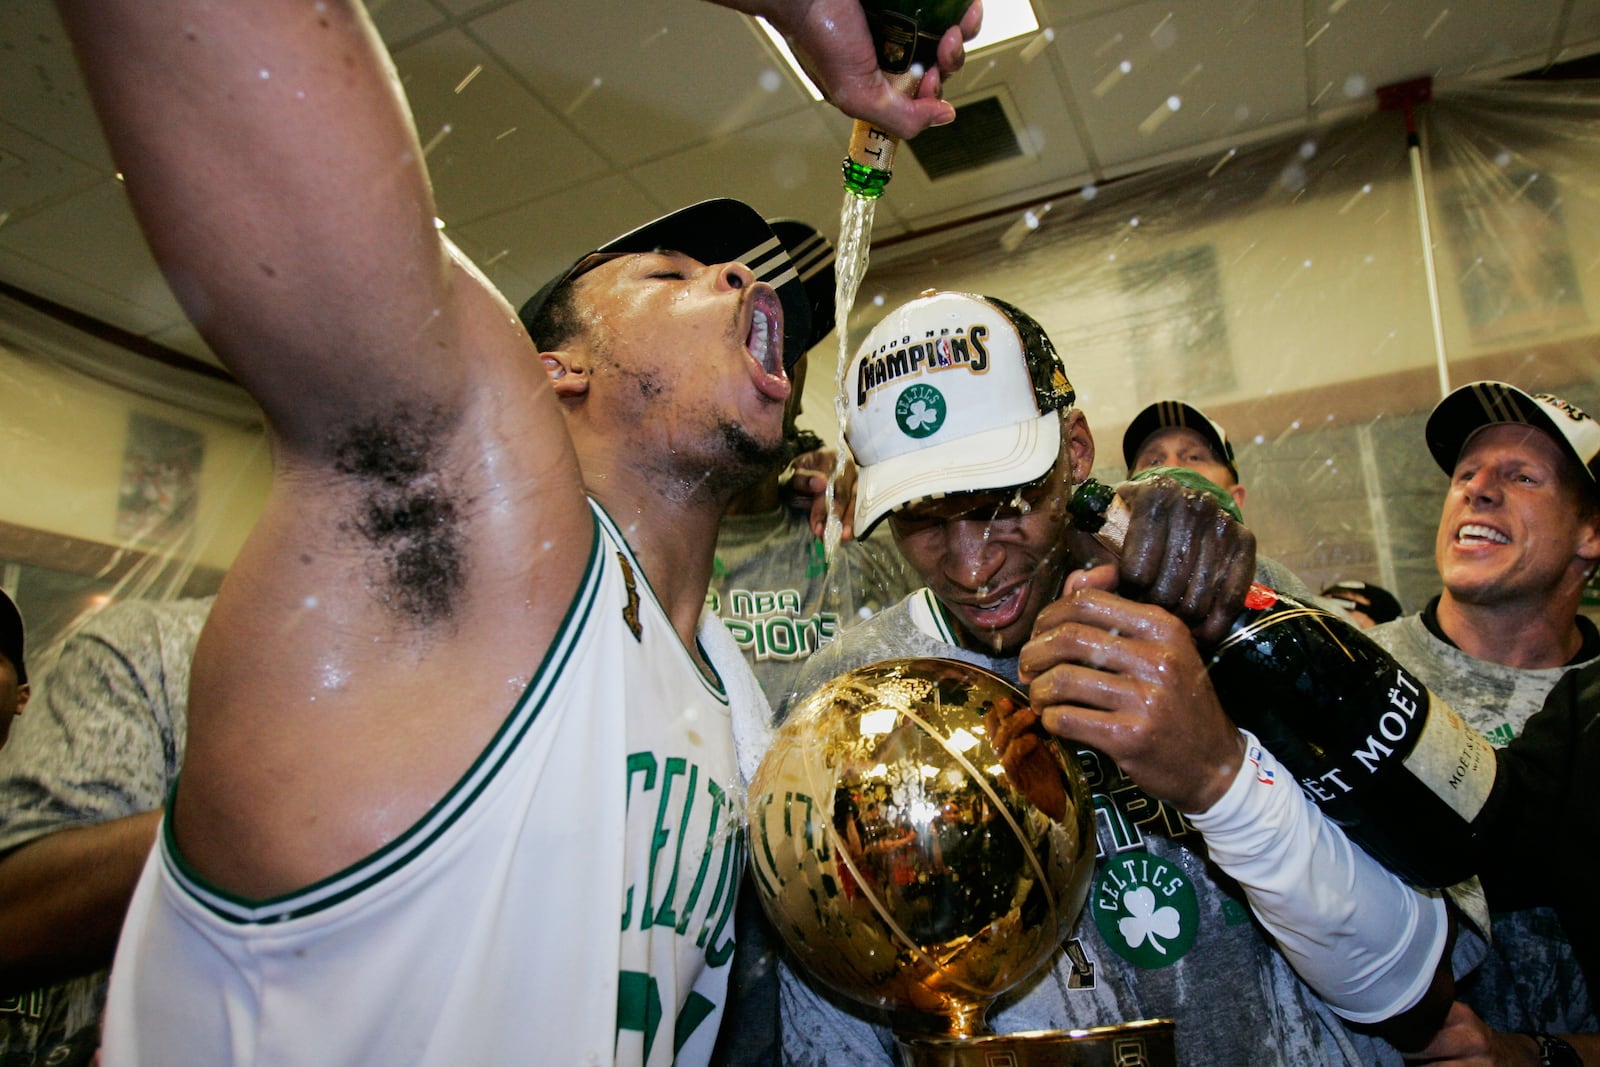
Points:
(639, 1006)
(717, 800)
(732, 863)
(666, 915)
(694, 1012)
(658, 841)
(642, 763)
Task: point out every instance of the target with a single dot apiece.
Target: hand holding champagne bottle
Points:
(832, 41)
(1383, 757)
(916, 43)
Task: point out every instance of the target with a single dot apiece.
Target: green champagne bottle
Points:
(906, 33)
(1380, 754)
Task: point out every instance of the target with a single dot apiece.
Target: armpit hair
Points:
(406, 510)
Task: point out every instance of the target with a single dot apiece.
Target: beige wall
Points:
(64, 439)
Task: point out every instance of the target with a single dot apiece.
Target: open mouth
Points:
(996, 612)
(1474, 533)
(765, 340)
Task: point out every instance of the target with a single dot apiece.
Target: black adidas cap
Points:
(813, 257)
(1472, 407)
(12, 637)
(712, 231)
(1175, 414)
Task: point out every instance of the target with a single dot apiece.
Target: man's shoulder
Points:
(131, 618)
(1407, 629)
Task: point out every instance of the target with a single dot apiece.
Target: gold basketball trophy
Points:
(910, 869)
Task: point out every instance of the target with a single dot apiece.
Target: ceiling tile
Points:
(1581, 32)
(1153, 77)
(1054, 159)
(34, 174)
(1355, 49)
(788, 166)
(91, 240)
(585, 119)
(40, 87)
(399, 20)
(524, 247)
(490, 144)
(641, 80)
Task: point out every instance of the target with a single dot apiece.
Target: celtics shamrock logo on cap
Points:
(919, 411)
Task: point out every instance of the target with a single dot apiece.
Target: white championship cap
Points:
(952, 393)
(1472, 407)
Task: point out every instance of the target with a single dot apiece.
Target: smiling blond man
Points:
(1518, 536)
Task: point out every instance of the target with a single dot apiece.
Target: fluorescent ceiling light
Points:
(1003, 20)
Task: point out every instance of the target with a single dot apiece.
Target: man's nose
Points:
(735, 275)
(973, 552)
(1482, 484)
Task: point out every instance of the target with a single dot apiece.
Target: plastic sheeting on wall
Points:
(119, 478)
(1284, 288)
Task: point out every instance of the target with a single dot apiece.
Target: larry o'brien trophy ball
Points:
(907, 868)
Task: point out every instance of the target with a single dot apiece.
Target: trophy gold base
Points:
(1146, 1043)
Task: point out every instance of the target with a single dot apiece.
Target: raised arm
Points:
(272, 163)
(418, 448)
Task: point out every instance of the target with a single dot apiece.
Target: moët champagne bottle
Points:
(1395, 766)
(906, 33)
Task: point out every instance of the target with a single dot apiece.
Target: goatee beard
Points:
(748, 460)
(742, 461)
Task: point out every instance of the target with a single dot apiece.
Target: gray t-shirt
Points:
(1531, 979)
(773, 585)
(102, 739)
(1204, 963)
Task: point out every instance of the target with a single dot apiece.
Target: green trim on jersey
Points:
(715, 688)
(938, 622)
(365, 873)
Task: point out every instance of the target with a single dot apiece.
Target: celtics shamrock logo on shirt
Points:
(920, 410)
(1146, 909)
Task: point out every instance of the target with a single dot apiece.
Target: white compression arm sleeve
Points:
(1366, 942)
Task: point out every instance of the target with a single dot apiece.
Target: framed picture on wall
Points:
(1177, 330)
(160, 480)
(1514, 265)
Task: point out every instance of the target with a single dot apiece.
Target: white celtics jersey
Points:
(569, 901)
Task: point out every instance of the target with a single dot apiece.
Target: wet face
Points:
(1179, 446)
(994, 559)
(12, 698)
(1514, 528)
(685, 358)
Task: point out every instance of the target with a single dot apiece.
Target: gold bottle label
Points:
(872, 146)
(1454, 760)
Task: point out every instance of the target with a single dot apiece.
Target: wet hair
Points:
(407, 510)
(557, 320)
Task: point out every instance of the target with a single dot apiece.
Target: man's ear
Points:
(1237, 492)
(1077, 443)
(1589, 540)
(22, 696)
(567, 377)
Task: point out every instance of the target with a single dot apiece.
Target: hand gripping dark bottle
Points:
(906, 33)
(1395, 766)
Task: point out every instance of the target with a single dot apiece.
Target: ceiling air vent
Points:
(981, 134)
